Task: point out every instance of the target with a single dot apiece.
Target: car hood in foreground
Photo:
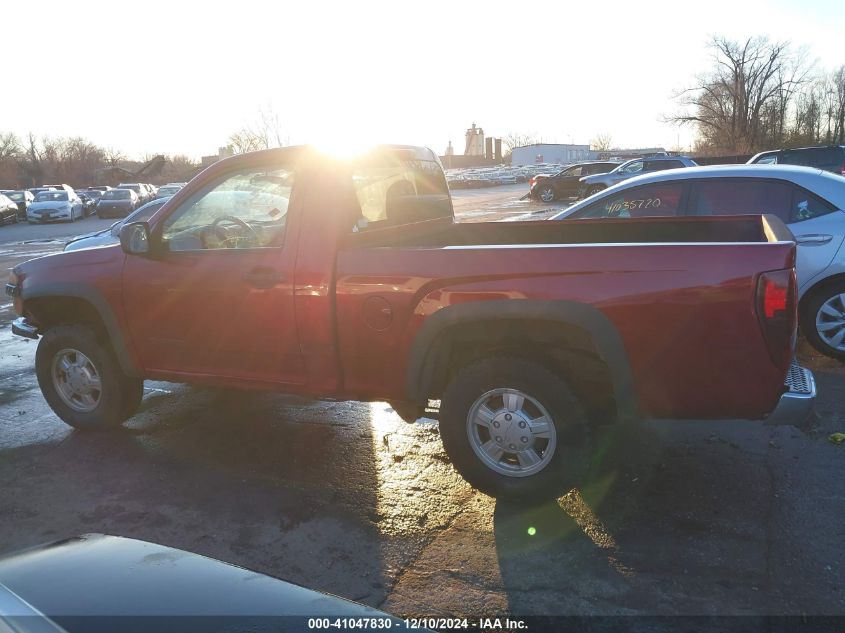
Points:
(89, 240)
(96, 581)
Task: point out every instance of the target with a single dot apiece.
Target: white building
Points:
(550, 153)
(474, 141)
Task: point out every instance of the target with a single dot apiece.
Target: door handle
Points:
(815, 238)
(264, 277)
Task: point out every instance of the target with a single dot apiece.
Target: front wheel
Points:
(593, 190)
(823, 320)
(513, 429)
(82, 380)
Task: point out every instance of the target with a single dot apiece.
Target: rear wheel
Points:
(513, 429)
(82, 380)
(547, 193)
(823, 320)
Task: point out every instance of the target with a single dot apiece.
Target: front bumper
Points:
(796, 403)
(21, 327)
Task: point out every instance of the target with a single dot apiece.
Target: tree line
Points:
(76, 161)
(761, 94)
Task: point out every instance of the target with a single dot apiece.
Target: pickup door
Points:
(215, 297)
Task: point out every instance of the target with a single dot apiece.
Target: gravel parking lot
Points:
(724, 517)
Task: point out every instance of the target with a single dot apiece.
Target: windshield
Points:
(48, 196)
(117, 194)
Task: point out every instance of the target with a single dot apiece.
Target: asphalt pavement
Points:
(677, 518)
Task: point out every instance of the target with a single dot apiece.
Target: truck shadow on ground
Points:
(661, 526)
(276, 484)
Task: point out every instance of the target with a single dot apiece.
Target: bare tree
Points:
(246, 140)
(602, 142)
(113, 156)
(10, 146)
(515, 139)
(836, 107)
(737, 105)
(264, 132)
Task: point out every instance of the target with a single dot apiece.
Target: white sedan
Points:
(809, 201)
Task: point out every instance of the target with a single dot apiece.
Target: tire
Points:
(118, 396)
(823, 320)
(546, 193)
(567, 437)
(593, 190)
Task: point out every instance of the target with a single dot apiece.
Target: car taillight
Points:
(842, 171)
(778, 314)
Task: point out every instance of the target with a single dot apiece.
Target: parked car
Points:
(61, 187)
(111, 235)
(22, 198)
(140, 190)
(117, 203)
(527, 333)
(634, 167)
(36, 190)
(55, 205)
(810, 202)
(165, 191)
(8, 210)
(830, 158)
(89, 205)
(566, 183)
(94, 194)
(96, 583)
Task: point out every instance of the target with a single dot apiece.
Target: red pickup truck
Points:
(349, 279)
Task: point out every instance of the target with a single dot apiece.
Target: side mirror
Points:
(135, 238)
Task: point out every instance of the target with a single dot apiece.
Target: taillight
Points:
(778, 315)
(842, 171)
(775, 299)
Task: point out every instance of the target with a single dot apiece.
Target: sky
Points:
(179, 77)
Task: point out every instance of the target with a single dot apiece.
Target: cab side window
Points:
(653, 200)
(246, 209)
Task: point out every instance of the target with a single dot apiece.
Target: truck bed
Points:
(651, 230)
(680, 292)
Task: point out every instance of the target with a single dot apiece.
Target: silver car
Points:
(809, 201)
(629, 169)
(57, 205)
(111, 235)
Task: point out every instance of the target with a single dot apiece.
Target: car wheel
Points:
(547, 193)
(82, 380)
(513, 429)
(823, 320)
(594, 189)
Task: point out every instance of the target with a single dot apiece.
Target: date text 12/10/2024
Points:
(413, 624)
